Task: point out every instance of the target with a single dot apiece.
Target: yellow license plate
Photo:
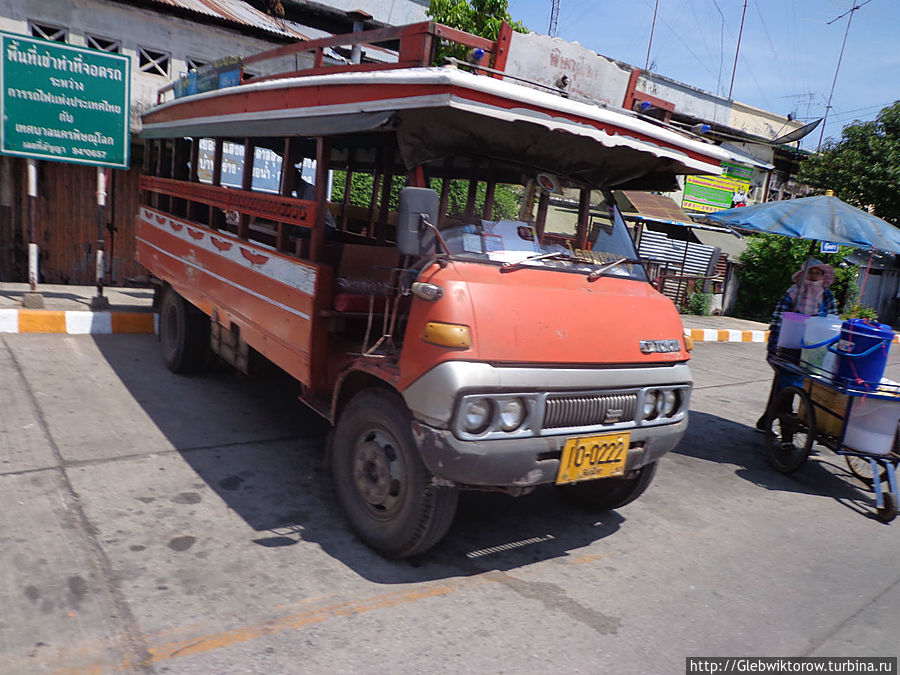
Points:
(593, 457)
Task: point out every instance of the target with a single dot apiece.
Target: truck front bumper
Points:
(524, 462)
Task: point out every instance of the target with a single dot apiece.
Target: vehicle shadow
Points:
(266, 464)
(825, 473)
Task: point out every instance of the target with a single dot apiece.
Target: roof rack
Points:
(414, 45)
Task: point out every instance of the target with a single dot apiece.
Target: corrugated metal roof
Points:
(240, 13)
(653, 206)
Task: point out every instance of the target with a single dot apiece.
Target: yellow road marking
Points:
(41, 321)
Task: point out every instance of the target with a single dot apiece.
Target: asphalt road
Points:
(157, 523)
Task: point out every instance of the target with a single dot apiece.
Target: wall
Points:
(540, 58)
(688, 100)
(760, 122)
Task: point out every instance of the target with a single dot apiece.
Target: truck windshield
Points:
(514, 244)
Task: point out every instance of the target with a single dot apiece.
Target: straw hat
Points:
(827, 272)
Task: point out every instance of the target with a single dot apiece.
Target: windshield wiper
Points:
(596, 274)
(556, 255)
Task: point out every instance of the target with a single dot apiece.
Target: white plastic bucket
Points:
(790, 338)
(792, 326)
(872, 425)
(818, 333)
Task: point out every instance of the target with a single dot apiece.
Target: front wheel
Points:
(604, 494)
(382, 484)
(791, 429)
(861, 467)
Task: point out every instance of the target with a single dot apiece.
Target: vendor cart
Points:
(814, 406)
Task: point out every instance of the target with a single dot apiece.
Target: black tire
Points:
(184, 333)
(384, 488)
(889, 510)
(790, 429)
(604, 494)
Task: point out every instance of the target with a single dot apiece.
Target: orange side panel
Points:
(270, 296)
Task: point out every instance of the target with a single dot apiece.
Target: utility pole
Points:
(652, 28)
(840, 58)
(554, 17)
(738, 49)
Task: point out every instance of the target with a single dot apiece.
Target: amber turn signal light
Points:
(453, 335)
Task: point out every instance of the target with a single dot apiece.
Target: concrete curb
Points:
(77, 322)
(726, 335)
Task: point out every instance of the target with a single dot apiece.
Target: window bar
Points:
(246, 184)
(217, 215)
(387, 182)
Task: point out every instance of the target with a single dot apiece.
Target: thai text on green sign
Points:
(715, 193)
(64, 103)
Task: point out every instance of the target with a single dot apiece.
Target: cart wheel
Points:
(862, 469)
(791, 429)
(889, 511)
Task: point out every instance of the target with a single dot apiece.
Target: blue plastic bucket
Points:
(862, 351)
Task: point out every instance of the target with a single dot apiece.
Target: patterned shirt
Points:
(786, 304)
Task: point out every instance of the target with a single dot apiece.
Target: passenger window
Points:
(232, 164)
(266, 170)
(206, 159)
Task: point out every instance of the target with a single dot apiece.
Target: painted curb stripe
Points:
(76, 322)
(719, 335)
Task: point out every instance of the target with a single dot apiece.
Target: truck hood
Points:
(547, 316)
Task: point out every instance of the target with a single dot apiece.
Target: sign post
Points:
(32, 299)
(65, 104)
(100, 301)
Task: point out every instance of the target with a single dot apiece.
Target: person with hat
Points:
(809, 295)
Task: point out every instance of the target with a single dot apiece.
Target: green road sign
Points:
(64, 103)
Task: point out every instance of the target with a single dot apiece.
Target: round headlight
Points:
(477, 415)
(668, 403)
(511, 412)
(650, 404)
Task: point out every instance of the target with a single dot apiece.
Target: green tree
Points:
(863, 167)
(479, 17)
(506, 198)
(768, 264)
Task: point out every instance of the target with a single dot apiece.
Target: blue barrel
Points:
(862, 351)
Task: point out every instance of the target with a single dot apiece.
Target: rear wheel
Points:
(604, 494)
(184, 333)
(382, 484)
(791, 428)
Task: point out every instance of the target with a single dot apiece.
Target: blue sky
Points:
(788, 52)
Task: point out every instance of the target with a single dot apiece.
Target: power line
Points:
(851, 12)
(652, 28)
(738, 49)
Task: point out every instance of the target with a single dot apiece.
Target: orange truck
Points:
(436, 255)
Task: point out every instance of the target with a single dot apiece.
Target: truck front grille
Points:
(568, 410)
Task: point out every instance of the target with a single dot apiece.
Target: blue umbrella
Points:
(823, 218)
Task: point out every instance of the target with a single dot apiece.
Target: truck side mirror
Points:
(416, 204)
